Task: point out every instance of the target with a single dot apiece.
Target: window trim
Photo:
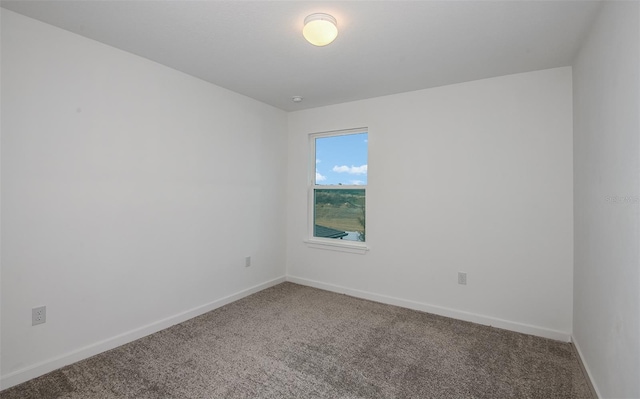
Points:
(330, 243)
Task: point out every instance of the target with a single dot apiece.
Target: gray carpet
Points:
(292, 341)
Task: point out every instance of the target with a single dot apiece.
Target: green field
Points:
(340, 209)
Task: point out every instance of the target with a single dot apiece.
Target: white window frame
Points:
(330, 243)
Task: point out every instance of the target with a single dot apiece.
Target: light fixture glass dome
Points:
(320, 29)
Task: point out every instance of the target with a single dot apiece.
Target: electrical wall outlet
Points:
(38, 315)
(247, 261)
(462, 278)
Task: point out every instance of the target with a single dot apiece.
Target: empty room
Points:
(308, 199)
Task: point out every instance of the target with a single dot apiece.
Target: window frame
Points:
(358, 247)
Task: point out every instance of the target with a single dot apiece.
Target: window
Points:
(337, 193)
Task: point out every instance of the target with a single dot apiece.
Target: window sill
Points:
(337, 245)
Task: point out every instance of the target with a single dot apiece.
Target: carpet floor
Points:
(292, 341)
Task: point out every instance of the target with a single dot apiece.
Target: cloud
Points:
(357, 182)
(319, 177)
(353, 170)
(318, 161)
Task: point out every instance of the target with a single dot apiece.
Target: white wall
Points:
(473, 177)
(131, 194)
(606, 325)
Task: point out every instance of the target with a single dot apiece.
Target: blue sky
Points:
(342, 159)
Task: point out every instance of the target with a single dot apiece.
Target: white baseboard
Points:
(36, 370)
(585, 368)
(49, 365)
(439, 310)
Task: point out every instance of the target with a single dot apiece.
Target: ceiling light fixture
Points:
(320, 29)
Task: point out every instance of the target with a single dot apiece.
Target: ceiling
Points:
(256, 48)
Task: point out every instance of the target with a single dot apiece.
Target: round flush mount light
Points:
(296, 99)
(320, 29)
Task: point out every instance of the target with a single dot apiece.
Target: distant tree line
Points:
(353, 197)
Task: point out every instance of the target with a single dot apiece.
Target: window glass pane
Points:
(339, 214)
(342, 160)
